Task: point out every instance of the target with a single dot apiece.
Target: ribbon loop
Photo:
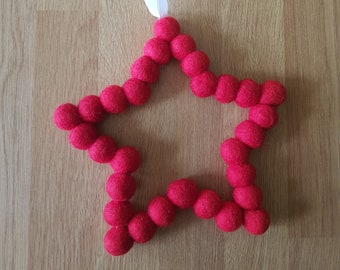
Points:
(158, 8)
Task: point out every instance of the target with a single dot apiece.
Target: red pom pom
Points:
(145, 69)
(118, 213)
(182, 45)
(141, 228)
(256, 222)
(249, 197)
(230, 217)
(227, 88)
(182, 193)
(83, 136)
(66, 116)
(91, 109)
(126, 160)
(249, 94)
(250, 134)
(204, 84)
(161, 211)
(120, 187)
(273, 93)
(117, 241)
(103, 149)
(233, 151)
(195, 63)
(241, 175)
(208, 204)
(113, 99)
(263, 115)
(166, 28)
(136, 91)
(158, 50)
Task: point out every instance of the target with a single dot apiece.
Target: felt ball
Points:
(120, 187)
(91, 109)
(233, 151)
(227, 87)
(166, 28)
(208, 204)
(273, 93)
(162, 211)
(117, 240)
(249, 197)
(263, 115)
(195, 63)
(256, 222)
(103, 149)
(83, 136)
(145, 69)
(136, 91)
(250, 134)
(141, 228)
(182, 193)
(181, 46)
(66, 116)
(230, 217)
(158, 50)
(118, 213)
(126, 160)
(248, 94)
(241, 175)
(204, 84)
(113, 99)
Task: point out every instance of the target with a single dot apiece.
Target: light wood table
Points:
(52, 196)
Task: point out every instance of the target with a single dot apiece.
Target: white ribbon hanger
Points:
(158, 8)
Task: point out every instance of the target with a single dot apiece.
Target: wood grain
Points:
(17, 37)
(67, 5)
(314, 123)
(51, 196)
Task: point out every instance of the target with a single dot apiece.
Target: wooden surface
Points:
(51, 196)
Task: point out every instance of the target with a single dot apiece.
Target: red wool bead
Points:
(241, 175)
(103, 149)
(182, 193)
(158, 50)
(145, 69)
(195, 63)
(117, 241)
(249, 197)
(249, 94)
(66, 116)
(250, 134)
(113, 99)
(230, 217)
(166, 28)
(263, 115)
(83, 136)
(204, 84)
(233, 151)
(141, 228)
(273, 93)
(118, 213)
(182, 45)
(126, 160)
(226, 89)
(208, 204)
(162, 211)
(120, 187)
(256, 222)
(91, 109)
(136, 91)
